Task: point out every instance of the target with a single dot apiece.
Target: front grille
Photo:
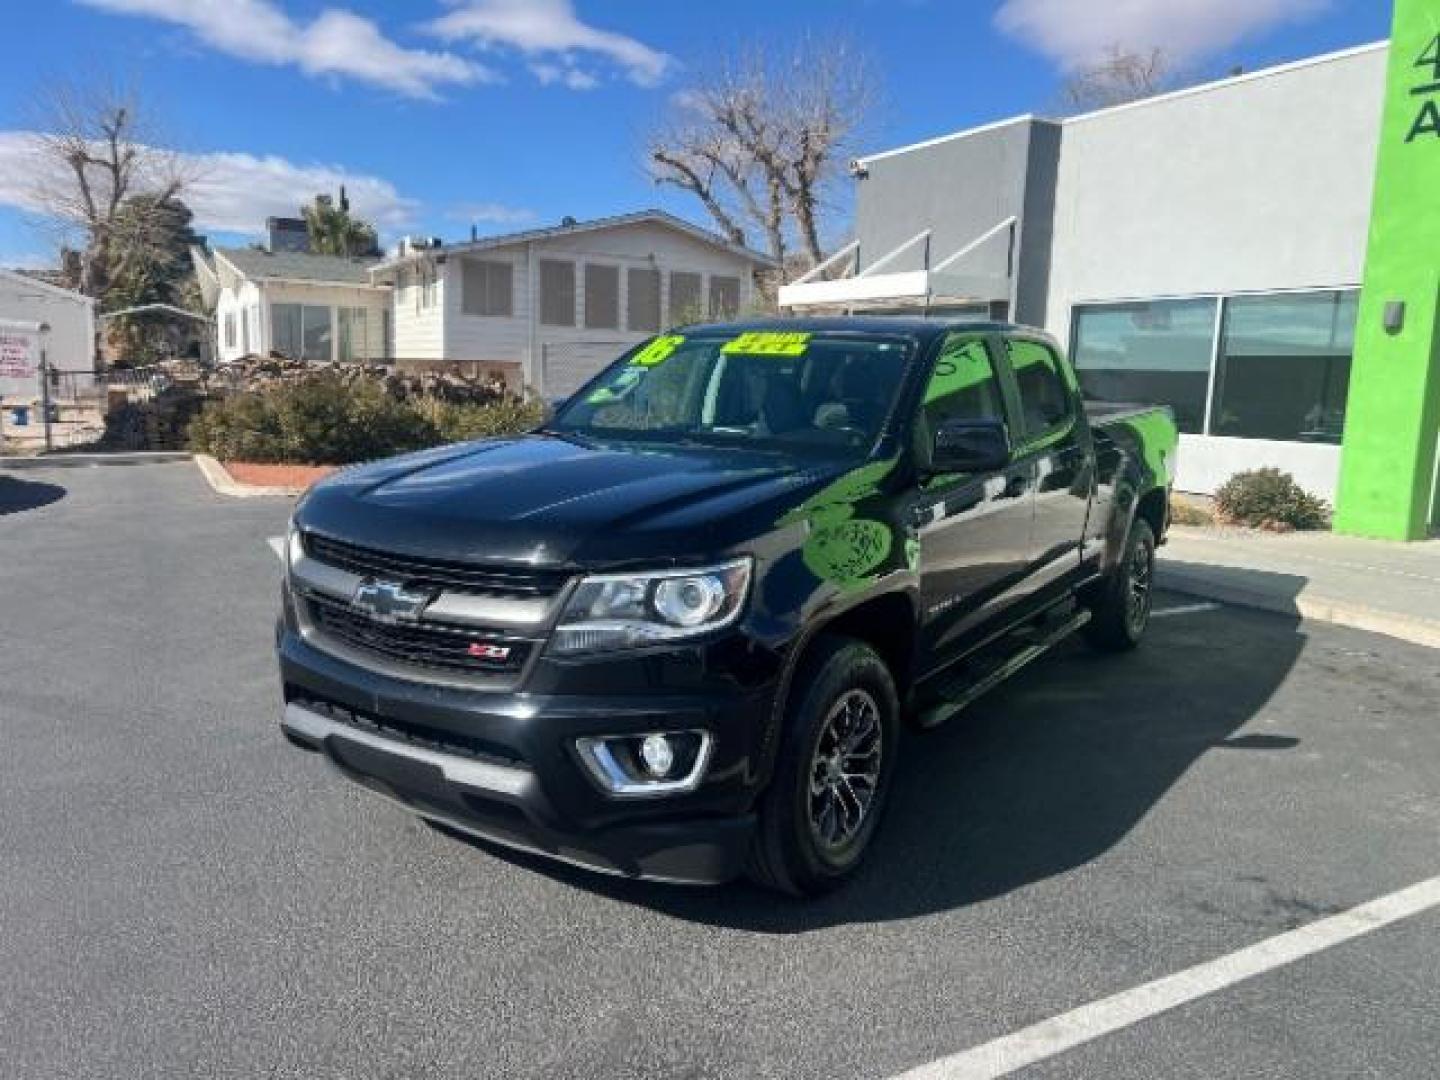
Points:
(426, 645)
(444, 742)
(435, 574)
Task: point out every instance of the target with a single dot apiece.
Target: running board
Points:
(965, 692)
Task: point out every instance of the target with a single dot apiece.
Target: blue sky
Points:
(510, 113)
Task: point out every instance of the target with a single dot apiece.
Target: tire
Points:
(809, 838)
(1120, 609)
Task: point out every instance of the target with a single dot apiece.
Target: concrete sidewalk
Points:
(1386, 588)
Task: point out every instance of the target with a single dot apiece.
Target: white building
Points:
(36, 317)
(1202, 249)
(554, 305)
(313, 307)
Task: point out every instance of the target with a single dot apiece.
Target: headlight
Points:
(294, 545)
(617, 611)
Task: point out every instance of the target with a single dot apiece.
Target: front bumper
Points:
(502, 766)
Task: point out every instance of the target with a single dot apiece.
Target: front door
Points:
(973, 529)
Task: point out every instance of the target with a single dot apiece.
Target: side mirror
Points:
(971, 446)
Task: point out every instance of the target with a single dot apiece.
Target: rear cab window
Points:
(1047, 403)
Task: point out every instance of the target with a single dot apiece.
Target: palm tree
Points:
(334, 232)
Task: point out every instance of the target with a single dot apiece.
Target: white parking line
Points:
(1187, 609)
(277, 545)
(1025, 1047)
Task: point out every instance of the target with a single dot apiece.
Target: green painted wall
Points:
(1387, 476)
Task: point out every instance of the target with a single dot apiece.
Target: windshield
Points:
(775, 389)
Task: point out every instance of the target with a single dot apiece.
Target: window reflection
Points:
(1155, 351)
(1285, 366)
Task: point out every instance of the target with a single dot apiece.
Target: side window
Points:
(1045, 401)
(963, 385)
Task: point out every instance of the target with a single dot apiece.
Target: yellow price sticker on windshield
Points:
(768, 343)
(658, 351)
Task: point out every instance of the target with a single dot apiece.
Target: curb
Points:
(76, 461)
(224, 484)
(1318, 608)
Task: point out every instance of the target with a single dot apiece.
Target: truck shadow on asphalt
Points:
(1042, 776)
(17, 496)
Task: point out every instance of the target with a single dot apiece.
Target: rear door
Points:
(974, 530)
(1053, 440)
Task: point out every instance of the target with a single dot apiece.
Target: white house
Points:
(312, 307)
(553, 305)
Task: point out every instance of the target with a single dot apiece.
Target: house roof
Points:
(29, 281)
(258, 264)
(639, 217)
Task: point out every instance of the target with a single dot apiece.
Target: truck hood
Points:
(543, 500)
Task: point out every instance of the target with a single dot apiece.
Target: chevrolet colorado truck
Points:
(675, 632)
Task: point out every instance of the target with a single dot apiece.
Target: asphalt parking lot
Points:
(184, 895)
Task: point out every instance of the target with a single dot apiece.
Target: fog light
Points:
(658, 757)
(653, 763)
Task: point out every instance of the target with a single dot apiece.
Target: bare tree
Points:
(760, 140)
(1121, 75)
(94, 154)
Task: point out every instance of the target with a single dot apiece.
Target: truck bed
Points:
(1103, 413)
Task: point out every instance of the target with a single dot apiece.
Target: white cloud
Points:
(1074, 32)
(228, 192)
(550, 31)
(335, 43)
(572, 78)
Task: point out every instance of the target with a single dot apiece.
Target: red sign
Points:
(17, 356)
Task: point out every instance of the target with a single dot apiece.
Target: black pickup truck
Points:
(675, 632)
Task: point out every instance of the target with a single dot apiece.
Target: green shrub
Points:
(461, 421)
(1188, 513)
(332, 418)
(1269, 499)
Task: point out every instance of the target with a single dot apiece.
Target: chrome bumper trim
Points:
(464, 772)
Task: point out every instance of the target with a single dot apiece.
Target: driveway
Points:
(185, 895)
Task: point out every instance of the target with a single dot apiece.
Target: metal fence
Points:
(69, 406)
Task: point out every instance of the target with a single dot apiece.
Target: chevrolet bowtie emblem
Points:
(390, 602)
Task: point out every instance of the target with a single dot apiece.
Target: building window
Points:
(1044, 397)
(557, 293)
(354, 334)
(429, 288)
(285, 329)
(1284, 370)
(686, 301)
(301, 331)
(642, 306)
(487, 288)
(602, 297)
(229, 329)
(1156, 351)
(315, 323)
(724, 297)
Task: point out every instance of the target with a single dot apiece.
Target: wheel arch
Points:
(886, 621)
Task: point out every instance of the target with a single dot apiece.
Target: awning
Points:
(946, 281)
